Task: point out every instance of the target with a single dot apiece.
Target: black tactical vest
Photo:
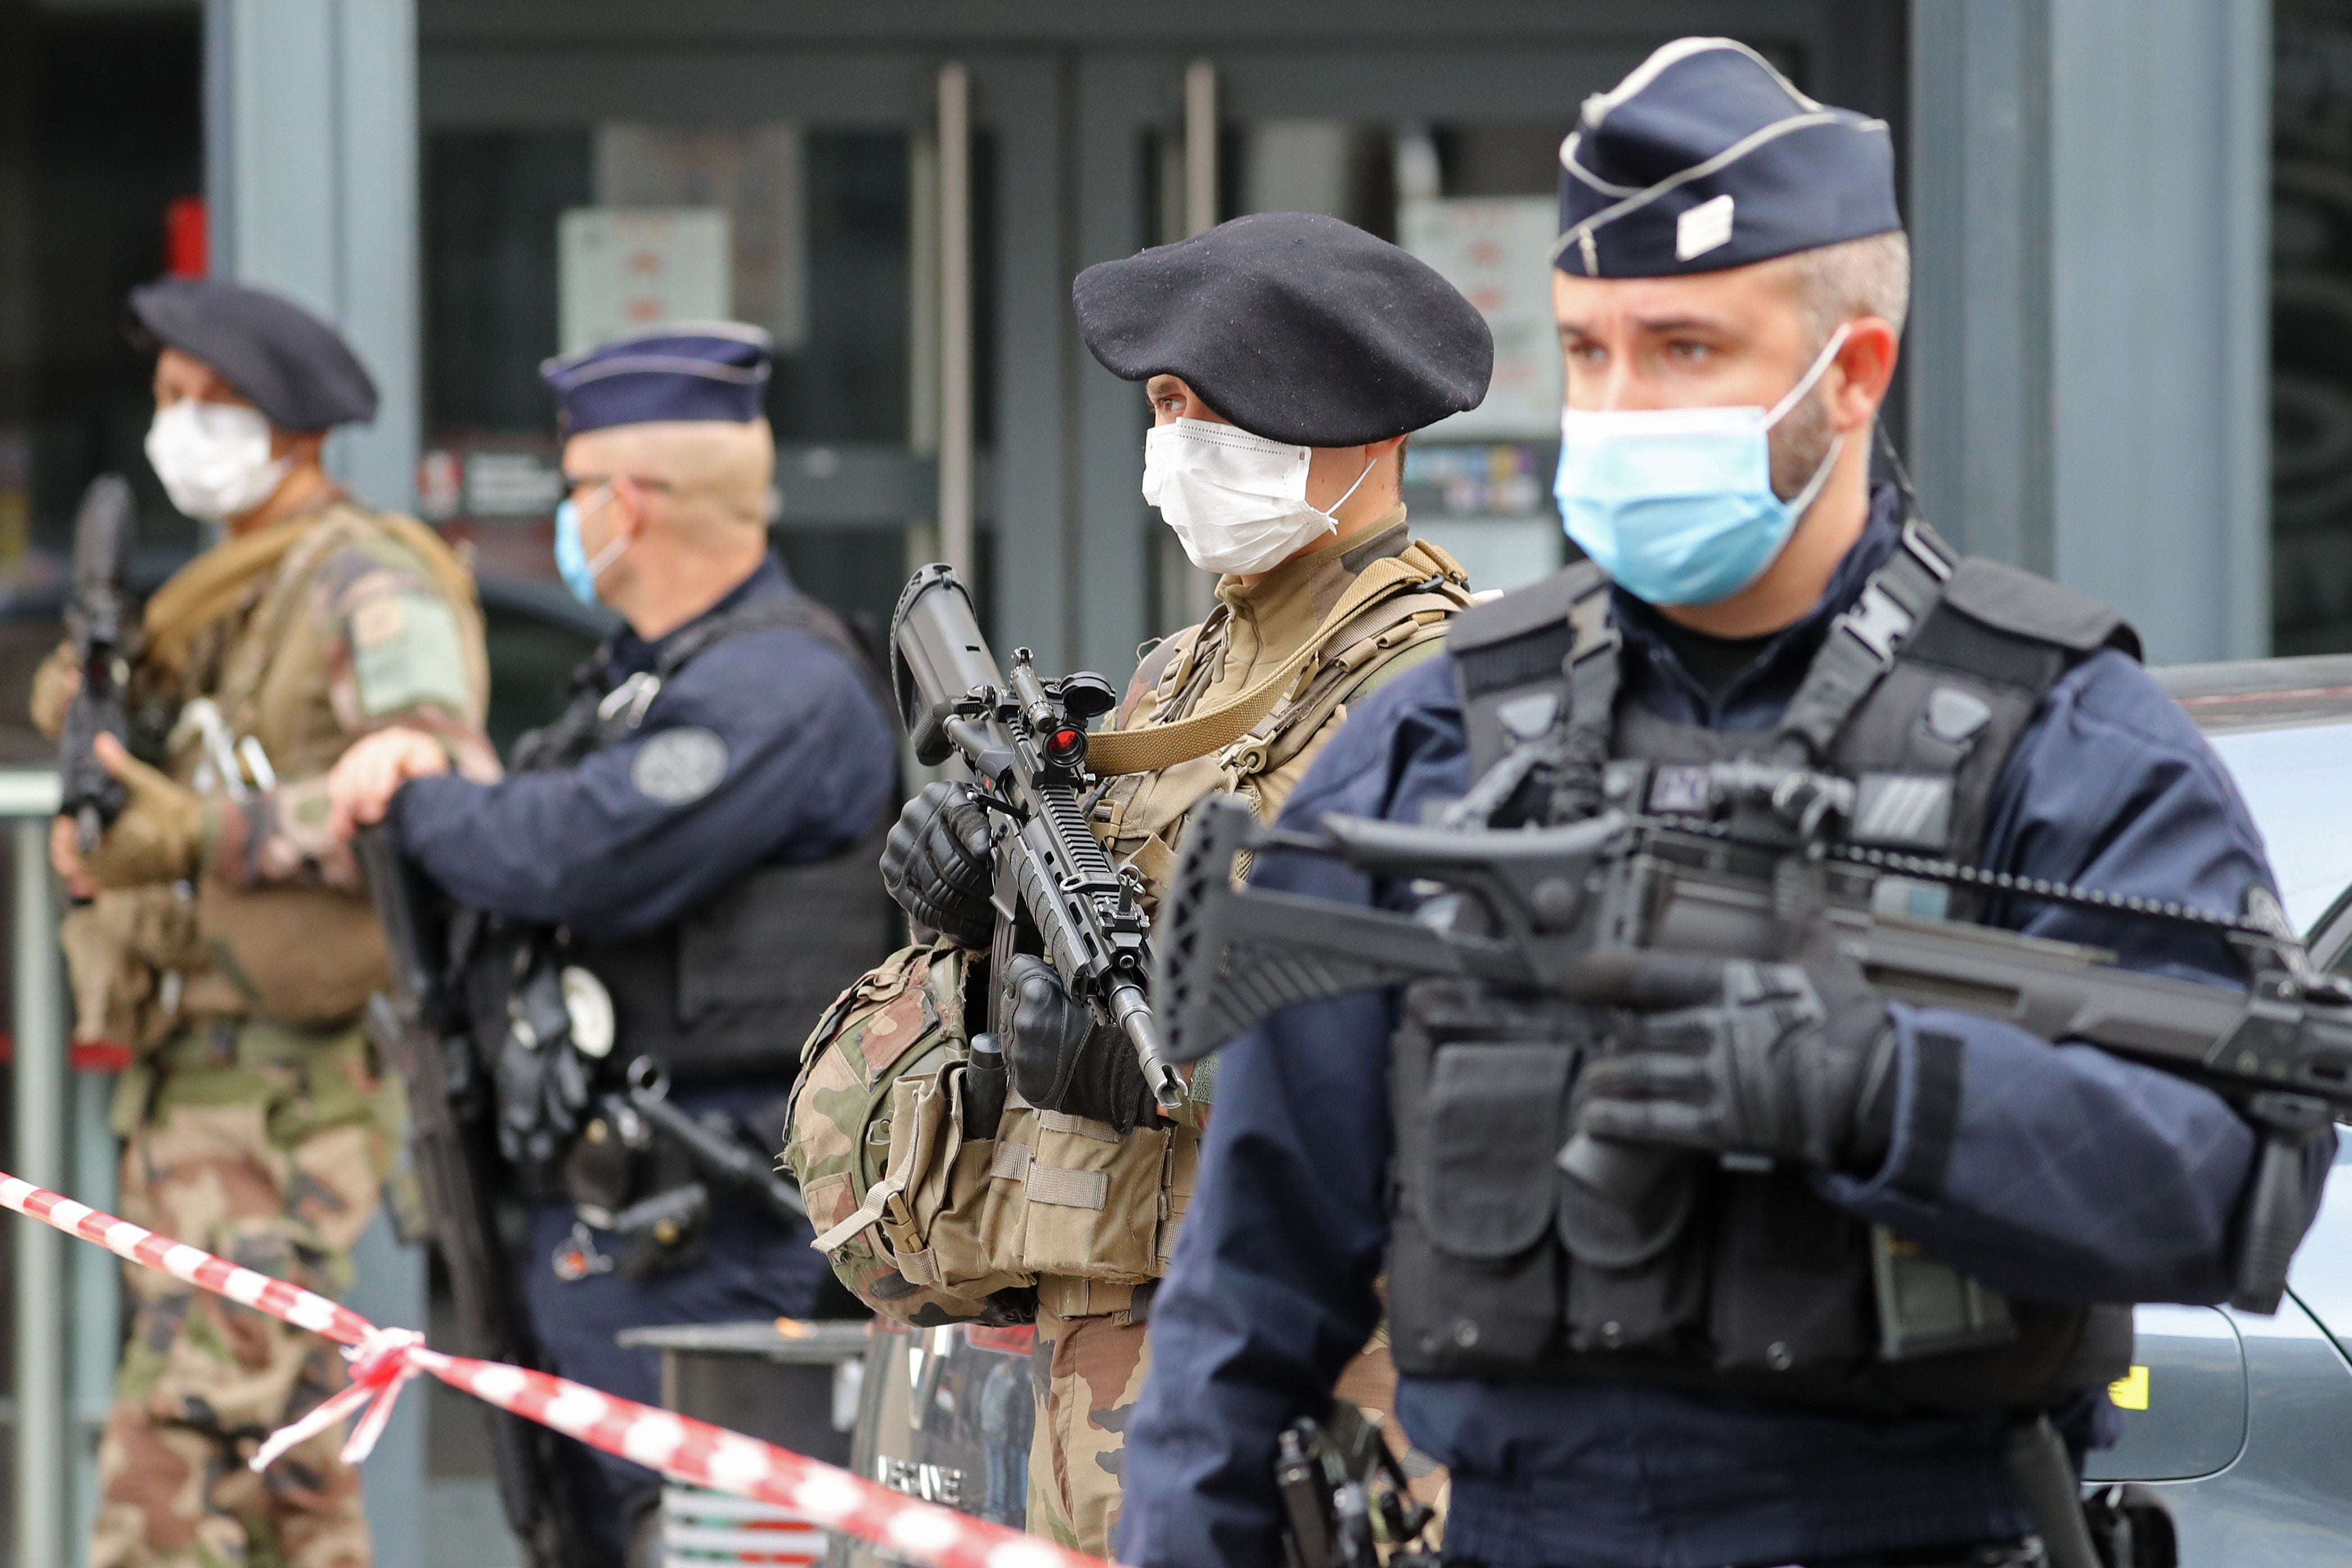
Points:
(1919, 692)
(735, 986)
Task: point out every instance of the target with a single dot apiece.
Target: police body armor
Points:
(725, 989)
(1919, 693)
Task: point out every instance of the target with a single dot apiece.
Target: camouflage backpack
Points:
(902, 1201)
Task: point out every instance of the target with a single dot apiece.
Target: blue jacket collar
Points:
(629, 653)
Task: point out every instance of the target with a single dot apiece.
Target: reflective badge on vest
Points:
(678, 767)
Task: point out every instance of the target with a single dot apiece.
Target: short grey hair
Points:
(1867, 276)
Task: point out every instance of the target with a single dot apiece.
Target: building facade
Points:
(2129, 362)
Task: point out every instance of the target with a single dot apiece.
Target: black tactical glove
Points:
(1778, 1060)
(543, 1084)
(1064, 1058)
(939, 865)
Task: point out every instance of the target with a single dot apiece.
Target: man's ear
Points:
(626, 511)
(1866, 365)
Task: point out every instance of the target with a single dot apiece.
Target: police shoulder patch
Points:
(679, 766)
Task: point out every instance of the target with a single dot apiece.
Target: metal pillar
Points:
(42, 1445)
(1024, 99)
(2090, 346)
(1199, 218)
(956, 545)
(310, 175)
(310, 186)
(97, 1295)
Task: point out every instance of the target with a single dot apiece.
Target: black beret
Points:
(295, 368)
(1294, 326)
(1705, 158)
(686, 371)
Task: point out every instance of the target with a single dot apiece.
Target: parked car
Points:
(2242, 1424)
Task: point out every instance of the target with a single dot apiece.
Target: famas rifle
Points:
(97, 620)
(1024, 742)
(419, 1027)
(1755, 871)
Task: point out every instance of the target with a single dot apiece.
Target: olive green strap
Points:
(1158, 747)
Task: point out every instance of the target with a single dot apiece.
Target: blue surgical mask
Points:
(572, 562)
(1677, 504)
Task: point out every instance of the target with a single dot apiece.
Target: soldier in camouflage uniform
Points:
(1286, 357)
(222, 934)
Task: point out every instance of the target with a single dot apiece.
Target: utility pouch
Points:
(1657, 1304)
(304, 955)
(1792, 1277)
(1092, 1200)
(900, 1196)
(1476, 1276)
(950, 1225)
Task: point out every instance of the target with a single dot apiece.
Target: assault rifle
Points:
(98, 619)
(1754, 870)
(1024, 741)
(420, 1028)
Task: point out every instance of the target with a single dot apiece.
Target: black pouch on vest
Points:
(1497, 1114)
(1791, 1278)
(1476, 1276)
(1657, 1304)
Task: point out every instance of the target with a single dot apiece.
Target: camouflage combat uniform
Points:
(1091, 1352)
(256, 1123)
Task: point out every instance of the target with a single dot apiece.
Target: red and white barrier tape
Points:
(678, 1445)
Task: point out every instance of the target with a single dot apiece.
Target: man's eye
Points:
(1586, 354)
(1684, 351)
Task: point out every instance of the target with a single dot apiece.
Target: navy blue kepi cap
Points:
(1296, 326)
(294, 367)
(1705, 158)
(686, 371)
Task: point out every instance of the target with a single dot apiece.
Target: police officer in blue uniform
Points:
(694, 839)
(1731, 281)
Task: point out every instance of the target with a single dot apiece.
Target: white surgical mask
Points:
(1237, 501)
(213, 457)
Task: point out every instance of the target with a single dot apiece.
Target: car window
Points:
(531, 660)
(2293, 783)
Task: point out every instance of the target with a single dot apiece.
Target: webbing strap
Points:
(776, 612)
(878, 1198)
(1863, 643)
(1860, 649)
(1158, 747)
(590, 709)
(1065, 1187)
(1594, 671)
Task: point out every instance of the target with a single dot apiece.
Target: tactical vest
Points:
(729, 987)
(1919, 693)
(1068, 1205)
(1102, 1210)
(239, 627)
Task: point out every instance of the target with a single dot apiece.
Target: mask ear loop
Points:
(1821, 366)
(1333, 511)
(611, 553)
(1804, 499)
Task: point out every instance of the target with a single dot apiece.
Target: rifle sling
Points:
(1157, 747)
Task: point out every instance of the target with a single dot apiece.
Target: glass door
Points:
(573, 212)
